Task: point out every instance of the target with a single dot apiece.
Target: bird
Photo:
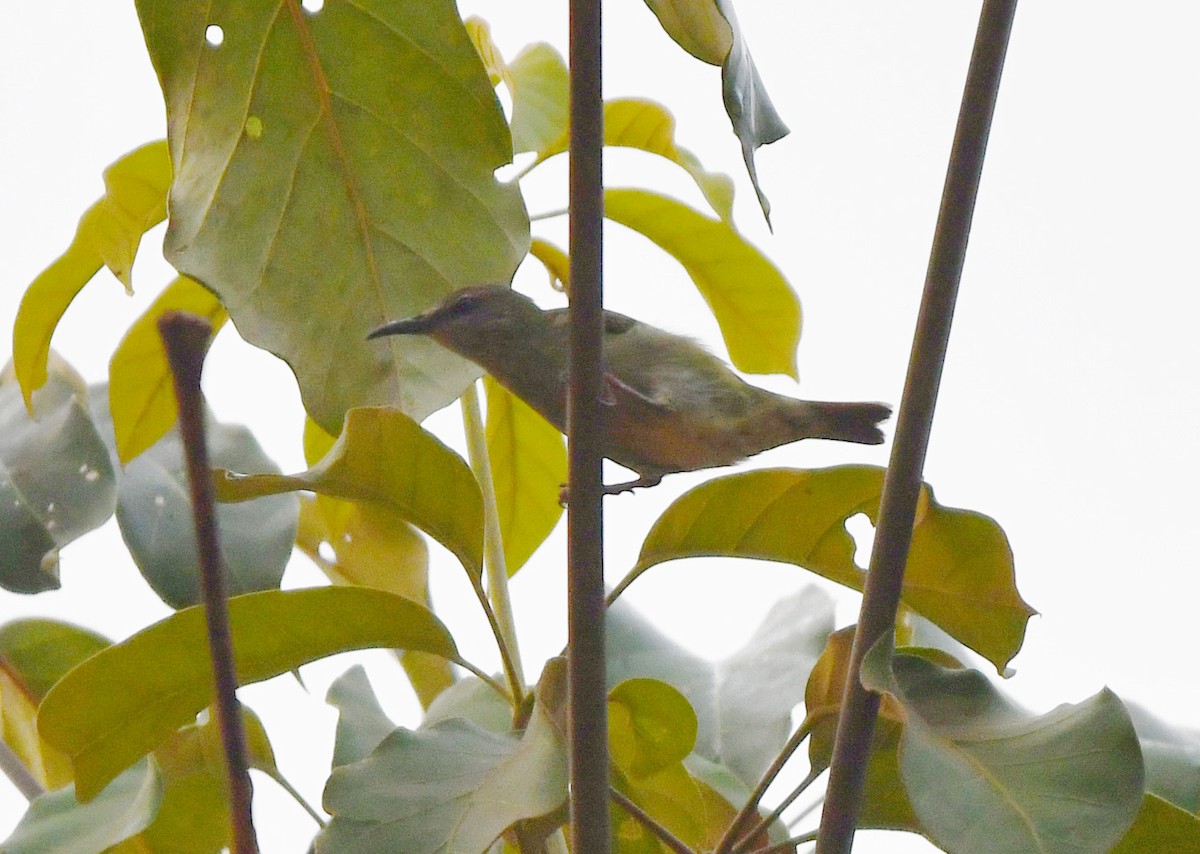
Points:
(670, 404)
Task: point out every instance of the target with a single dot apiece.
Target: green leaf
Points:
(1160, 826)
(134, 201)
(755, 307)
(343, 159)
(473, 700)
(384, 456)
(743, 703)
(57, 822)
(529, 467)
(123, 702)
(697, 26)
(540, 87)
(56, 480)
(985, 776)
(141, 393)
(451, 788)
(154, 510)
(960, 570)
(362, 723)
(1172, 758)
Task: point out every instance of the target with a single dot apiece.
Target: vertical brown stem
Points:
(186, 338)
(585, 519)
(902, 485)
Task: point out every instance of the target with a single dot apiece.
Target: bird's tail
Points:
(844, 422)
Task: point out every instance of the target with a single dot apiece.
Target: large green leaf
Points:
(141, 391)
(57, 823)
(384, 456)
(451, 788)
(755, 307)
(984, 776)
(334, 170)
(135, 200)
(1160, 826)
(708, 30)
(529, 467)
(154, 511)
(744, 702)
(56, 479)
(123, 702)
(960, 569)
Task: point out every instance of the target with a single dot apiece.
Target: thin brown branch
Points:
(647, 821)
(590, 833)
(770, 818)
(186, 338)
(902, 485)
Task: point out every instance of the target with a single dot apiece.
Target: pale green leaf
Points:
(335, 170)
(480, 33)
(960, 570)
(141, 393)
(362, 723)
(384, 456)
(697, 26)
(123, 702)
(135, 200)
(57, 823)
(451, 788)
(56, 478)
(1172, 757)
(985, 776)
(529, 467)
(753, 303)
(540, 87)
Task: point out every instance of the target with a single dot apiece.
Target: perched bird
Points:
(671, 405)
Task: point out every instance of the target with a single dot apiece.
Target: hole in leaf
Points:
(861, 530)
(214, 35)
(313, 6)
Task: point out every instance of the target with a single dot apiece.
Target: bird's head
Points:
(473, 322)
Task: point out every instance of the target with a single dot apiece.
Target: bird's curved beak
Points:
(409, 326)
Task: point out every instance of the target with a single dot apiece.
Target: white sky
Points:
(1069, 409)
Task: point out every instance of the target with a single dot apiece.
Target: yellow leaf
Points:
(141, 393)
(529, 466)
(556, 262)
(109, 232)
(480, 33)
(753, 303)
(697, 26)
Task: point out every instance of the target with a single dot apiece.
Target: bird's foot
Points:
(564, 493)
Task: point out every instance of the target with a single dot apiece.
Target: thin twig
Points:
(493, 543)
(20, 776)
(751, 806)
(590, 833)
(790, 843)
(770, 818)
(902, 484)
(186, 338)
(647, 821)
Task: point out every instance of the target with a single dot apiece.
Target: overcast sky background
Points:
(1069, 409)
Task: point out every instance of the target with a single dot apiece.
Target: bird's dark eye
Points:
(465, 304)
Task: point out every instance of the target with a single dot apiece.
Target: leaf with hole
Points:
(125, 701)
(335, 170)
(960, 569)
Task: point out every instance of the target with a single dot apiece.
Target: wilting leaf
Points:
(56, 480)
(384, 456)
(56, 821)
(529, 467)
(960, 569)
(141, 393)
(123, 702)
(985, 776)
(755, 307)
(334, 170)
(135, 200)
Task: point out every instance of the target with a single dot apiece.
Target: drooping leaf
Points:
(334, 170)
(57, 822)
(708, 30)
(743, 703)
(362, 723)
(960, 570)
(56, 479)
(556, 262)
(1160, 826)
(755, 307)
(451, 788)
(141, 395)
(124, 701)
(134, 201)
(984, 776)
(384, 456)
(1172, 758)
(529, 467)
